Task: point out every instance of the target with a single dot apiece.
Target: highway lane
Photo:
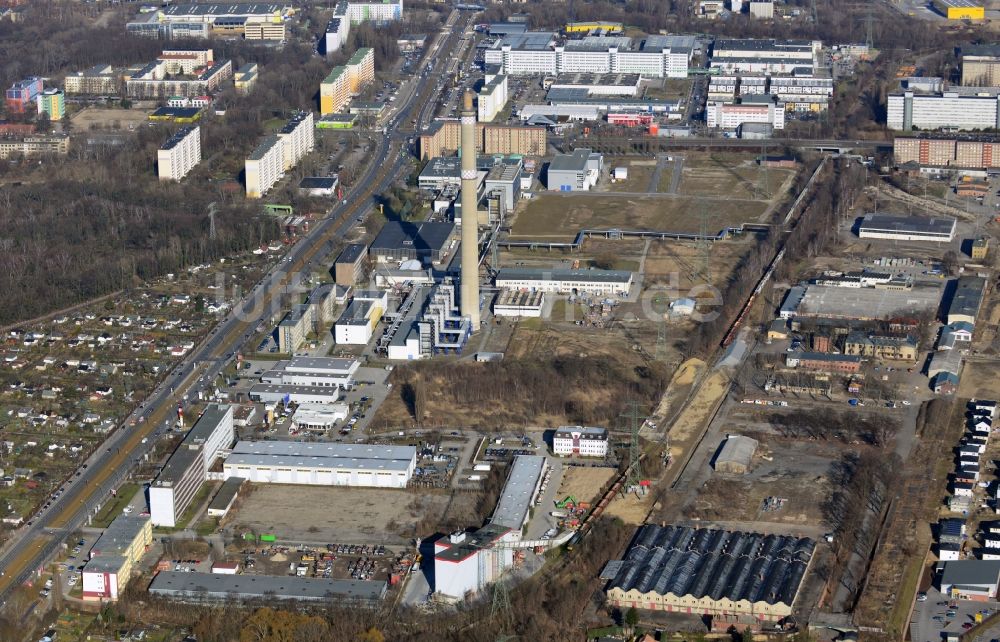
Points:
(35, 543)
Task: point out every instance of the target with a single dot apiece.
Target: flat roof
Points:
(717, 564)
(104, 564)
(867, 303)
(222, 9)
(515, 499)
(119, 535)
(970, 572)
(177, 466)
(227, 492)
(359, 56)
(285, 389)
(908, 224)
(825, 356)
(265, 146)
(209, 420)
(399, 235)
(356, 312)
(176, 112)
(576, 161)
(962, 4)
(331, 463)
(319, 364)
(295, 121)
(324, 449)
(178, 136)
(318, 182)
(223, 586)
(587, 432)
(528, 40)
(593, 275)
(475, 541)
(352, 253)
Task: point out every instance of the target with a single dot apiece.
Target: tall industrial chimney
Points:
(469, 300)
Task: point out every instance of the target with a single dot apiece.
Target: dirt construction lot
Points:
(335, 514)
(583, 483)
(96, 118)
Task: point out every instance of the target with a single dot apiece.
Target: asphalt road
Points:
(32, 545)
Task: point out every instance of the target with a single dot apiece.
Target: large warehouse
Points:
(399, 241)
(313, 371)
(710, 572)
(322, 464)
(203, 587)
(907, 228)
(519, 492)
(832, 302)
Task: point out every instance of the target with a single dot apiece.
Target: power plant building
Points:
(575, 172)
(179, 154)
(560, 281)
(322, 464)
(465, 563)
(186, 470)
(710, 572)
(357, 323)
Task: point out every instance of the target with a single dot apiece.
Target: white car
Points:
(73, 580)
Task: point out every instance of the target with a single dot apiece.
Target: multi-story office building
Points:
(275, 31)
(38, 145)
(114, 556)
(264, 167)
(203, 19)
(346, 81)
(183, 474)
(179, 154)
(98, 80)
(295, 326)
(981, 66)
(22, 94)
(583, 441)
(538, 53)
(52, 102)
(298, 137)
(951, 110)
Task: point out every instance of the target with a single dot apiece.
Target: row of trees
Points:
(875, 430)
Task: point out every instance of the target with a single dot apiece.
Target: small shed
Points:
(735, 455)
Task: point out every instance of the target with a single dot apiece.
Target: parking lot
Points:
(930, 621)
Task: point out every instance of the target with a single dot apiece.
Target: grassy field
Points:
(742, 180)
(114, 508)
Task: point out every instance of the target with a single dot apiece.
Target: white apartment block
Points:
(379, 11)
(492, 98)
(298, 137)
(731, 116)
(950, 110)
(264, 168)
(580, 441)
(179, 154)
(185, 61)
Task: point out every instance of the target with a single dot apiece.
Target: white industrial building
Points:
(322, 464)
(312, 371)
(574, 172)
(519, 303)
(731, 116)
(591, 281)
(582, 441)
(270, 393)
(907, 228)
(319, 417)
(359, 319)
(519, 492)
(465, 563)
(764, 55)
(179, 154)
(183, 474)
(492, 98)
(538, 53)
(951, 110)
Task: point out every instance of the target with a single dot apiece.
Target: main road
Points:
(33, 545)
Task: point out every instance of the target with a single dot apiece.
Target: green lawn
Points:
(113, 508)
